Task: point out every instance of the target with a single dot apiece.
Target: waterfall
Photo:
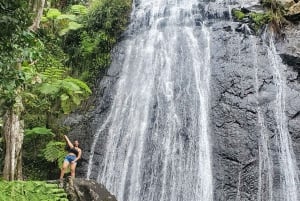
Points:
(288, 166)
(157, 129)
(265, 174)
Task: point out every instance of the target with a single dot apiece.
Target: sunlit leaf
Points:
(53, 13)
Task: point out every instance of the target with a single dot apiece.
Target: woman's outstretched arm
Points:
(69, 142)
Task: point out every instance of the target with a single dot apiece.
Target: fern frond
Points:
(79, 10)
(31, 191)
(81, 84)
(69, 86)
(54, 151)
(49, 89)
(65, 16)
(53, 13)
(54, 73)
(38, 131)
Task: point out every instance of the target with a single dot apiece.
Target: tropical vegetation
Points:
(51, 53)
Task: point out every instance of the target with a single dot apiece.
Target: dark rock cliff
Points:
(244, 85)
(243, 108)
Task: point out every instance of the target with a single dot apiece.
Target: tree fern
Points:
(79, 10)
(71, 26)
(67, 16)
(83, 86)
(54, 73)
(53, 13)
(38, 131)
(54, 151)
(49, 89)
(69, 91)
(69, 86)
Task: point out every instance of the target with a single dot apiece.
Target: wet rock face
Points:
(244, 85)
(289, 47)
(233, 115)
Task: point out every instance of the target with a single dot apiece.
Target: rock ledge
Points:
(85, 190)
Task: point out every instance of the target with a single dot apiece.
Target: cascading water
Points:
(158, 126)
(265, 173)
(288, 167)
(289, 181)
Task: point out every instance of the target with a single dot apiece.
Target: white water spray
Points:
(288, 166)
(158, 146)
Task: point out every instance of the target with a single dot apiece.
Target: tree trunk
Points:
(13, 137)
(33, 4)
(36, 23)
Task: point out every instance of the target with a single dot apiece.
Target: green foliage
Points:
(24, 50)
(38, 131)
(53, 73)
(69, 92)
(257, 20)
(63, 23)
(110, 16)
(277, 13)
(43, 107)
(79, 10)
(71, 26)
(53, 13)
(239, 15)
(13, 19)
(54, 152)
(35, 70)
(273, 17)
(89, 47)
(31, 191)
(260, 19)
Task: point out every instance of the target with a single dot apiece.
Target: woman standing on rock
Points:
(71, 159)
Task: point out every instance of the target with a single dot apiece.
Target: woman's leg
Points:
(72, 168)
(63, 169)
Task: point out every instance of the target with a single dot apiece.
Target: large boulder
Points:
(86, 190)
(286, 3)
(293, 13)
(289, 49)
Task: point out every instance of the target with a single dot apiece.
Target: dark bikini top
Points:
(74, 151)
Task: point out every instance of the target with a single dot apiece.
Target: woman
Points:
(71, 159)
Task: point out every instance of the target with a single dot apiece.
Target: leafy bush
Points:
(239, 15)
(257, 20)
(260, 19)
(63, 23)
